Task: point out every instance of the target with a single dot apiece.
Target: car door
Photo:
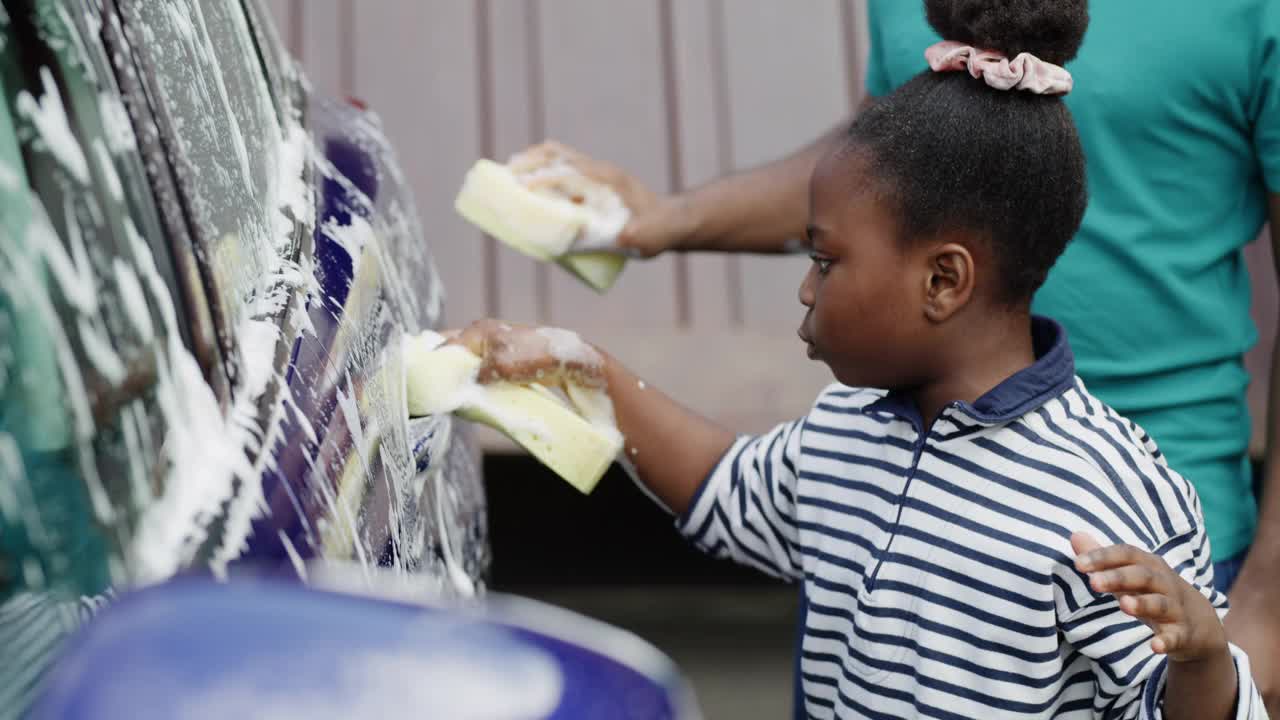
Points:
(315, 265)
(92, 313)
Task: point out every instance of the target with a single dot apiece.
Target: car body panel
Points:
(206, 273)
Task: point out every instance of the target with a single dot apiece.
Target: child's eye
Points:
(823, 263)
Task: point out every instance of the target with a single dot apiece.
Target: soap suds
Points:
(72, 272)
(295, 202)
(145, 263)
(30, 294)
(206, 456)
(567, 348)
(553, 175)
(462, 582)
(352, 238)
(85, 64)
(116, 126)
(257, 340)
(137, 459)
(101, 354)
(9, 179)
(207, 452)
(134, 300)
(108, 170)
(11, 508)
(294, 558)
(50, 120)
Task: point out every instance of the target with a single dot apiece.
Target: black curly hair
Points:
(953, 153)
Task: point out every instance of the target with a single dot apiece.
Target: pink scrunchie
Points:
(1025, 72)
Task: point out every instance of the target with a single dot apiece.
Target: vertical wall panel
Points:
(602, 85)
(515, 125)
(284, 14)
(416, 64)
(788, 84)
(857, 43)
(698, 77)
(325, 46)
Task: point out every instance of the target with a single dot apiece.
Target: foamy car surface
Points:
(205, 273)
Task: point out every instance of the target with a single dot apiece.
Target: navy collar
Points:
(1052, 374)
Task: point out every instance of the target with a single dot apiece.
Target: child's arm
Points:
(762, 210)
(672, 449)
(1202, 679)
(735, 497)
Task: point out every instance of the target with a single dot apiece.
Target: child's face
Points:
(865, 290)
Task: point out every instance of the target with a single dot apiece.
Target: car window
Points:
(282, 72)
(236, 164)
(87, 318)
(81, 418)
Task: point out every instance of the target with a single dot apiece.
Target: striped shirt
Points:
(936, 563)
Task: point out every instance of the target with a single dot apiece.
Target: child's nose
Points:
(806, 287)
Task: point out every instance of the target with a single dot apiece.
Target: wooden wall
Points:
(677, 91)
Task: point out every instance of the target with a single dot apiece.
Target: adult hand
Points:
(658, 222)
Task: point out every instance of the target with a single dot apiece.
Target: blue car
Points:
(206, 273)
(254, 649)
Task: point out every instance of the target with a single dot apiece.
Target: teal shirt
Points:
(1178, 107)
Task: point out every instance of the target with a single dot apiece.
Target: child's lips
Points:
(809, 348)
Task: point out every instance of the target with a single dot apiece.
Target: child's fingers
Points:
(474, 337)
(597, 170)
(1083, 543)
(1104, 558)
(1151, 607)
(1168, 640)
(532, 158)
(570, 154)
(518, 368)
(543, 153)
(1133, 579)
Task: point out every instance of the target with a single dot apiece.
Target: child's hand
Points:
(1186, 626)
(522, 354)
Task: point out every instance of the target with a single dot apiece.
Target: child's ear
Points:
(949, 281)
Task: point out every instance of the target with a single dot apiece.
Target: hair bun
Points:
(1052, 30)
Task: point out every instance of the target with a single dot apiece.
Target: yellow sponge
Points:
(599, 270)
(543, 224)
(442, 379)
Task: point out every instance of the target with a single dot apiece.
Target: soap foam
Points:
(555, 176)
(50, 120)
(568, 348)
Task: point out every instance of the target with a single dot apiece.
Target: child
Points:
(947, 530)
